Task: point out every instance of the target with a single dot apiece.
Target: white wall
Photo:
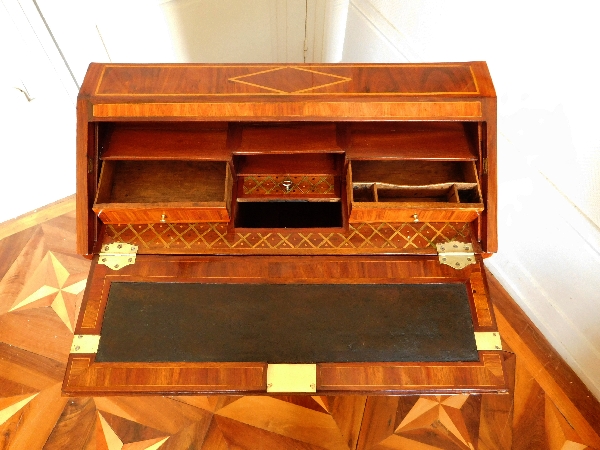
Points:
(36, 134)
(544, 64)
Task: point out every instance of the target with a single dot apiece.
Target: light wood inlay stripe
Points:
(484, 317)
(348, 110)
(37, 216)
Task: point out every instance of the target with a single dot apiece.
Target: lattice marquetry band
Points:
(360, 238)
(285, 185)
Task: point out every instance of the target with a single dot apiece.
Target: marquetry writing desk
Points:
(286, 228)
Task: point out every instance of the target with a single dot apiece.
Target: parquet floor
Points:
(41, 287)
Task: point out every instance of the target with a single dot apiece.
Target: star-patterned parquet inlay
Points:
(123, 434)
(52, 285)
(11, 405)
(441, 417)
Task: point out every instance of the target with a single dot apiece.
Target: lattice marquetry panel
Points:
(362, 238)
(286, 185)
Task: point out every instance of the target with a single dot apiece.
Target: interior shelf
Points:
(449, 141)
(165, 141)
(289, 214)
(312, 137)
(289, 164)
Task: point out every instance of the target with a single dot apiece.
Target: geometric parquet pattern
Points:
(41, 286)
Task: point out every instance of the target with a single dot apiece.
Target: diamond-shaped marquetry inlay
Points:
(283, 185)
(290, 80)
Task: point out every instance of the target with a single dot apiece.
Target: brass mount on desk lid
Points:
(117, 255)
(456, 254)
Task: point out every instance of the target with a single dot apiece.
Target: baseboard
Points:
(37, 216)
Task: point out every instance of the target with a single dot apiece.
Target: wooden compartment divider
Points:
(414, 190)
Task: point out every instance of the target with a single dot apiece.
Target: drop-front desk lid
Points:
(262, 229)
(225, 324)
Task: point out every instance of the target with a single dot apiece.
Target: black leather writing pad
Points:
(286, 323)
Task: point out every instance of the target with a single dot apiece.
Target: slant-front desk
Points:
(286, 228)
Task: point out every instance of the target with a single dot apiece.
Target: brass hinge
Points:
(488, 340)
(117, 255)
(485, 166)
(85, 343)
(292, 378)
(456, 254)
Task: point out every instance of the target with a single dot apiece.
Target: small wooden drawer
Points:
(413, 191)
(394, 212)
(289, 177)
(286, 187)
(145, 191)
(113, 214)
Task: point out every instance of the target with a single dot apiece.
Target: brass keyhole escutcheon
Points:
(416, 218)
(163, 218)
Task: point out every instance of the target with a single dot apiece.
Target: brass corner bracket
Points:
(456, 254)
(488, 340)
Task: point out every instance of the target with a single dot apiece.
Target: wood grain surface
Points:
(455, 79)
(55, 209)
(194, 112)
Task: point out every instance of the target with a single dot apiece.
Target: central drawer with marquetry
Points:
(286, 229)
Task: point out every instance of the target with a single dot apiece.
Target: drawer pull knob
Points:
(163, 218)
(416, 217)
